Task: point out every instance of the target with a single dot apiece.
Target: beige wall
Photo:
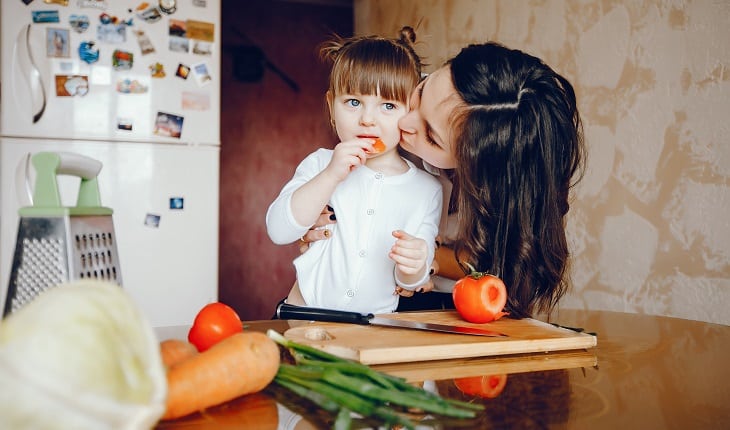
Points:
(650, 223)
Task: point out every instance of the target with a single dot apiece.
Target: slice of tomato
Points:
(213, 323)
(480, 298)
(486, 386)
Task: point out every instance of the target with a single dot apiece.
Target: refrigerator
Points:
(136, 86)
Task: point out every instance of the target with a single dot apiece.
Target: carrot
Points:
(174, 351)
(378, 145)
(240, 364)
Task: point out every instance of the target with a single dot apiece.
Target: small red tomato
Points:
(214, 322)
(487, 386)
(480, 298)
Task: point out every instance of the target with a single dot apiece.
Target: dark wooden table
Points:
(647, 372)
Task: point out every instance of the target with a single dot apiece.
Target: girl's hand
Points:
(347, 156)
(410, 254)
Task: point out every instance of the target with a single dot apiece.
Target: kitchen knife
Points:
(286, 311)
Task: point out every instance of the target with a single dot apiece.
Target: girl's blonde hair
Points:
(389, 67)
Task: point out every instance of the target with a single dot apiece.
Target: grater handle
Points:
(50, 164)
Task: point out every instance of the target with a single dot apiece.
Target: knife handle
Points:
(286, 311)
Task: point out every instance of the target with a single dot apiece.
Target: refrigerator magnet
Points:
(131, 86)
(152, 220)
(71, 85)
(195, 101)
(200, 30)
(168, 6)
(145, 44)
(148, 14)
(167, 124)
(88, 52)
(79, 23)
(45, 16)
(122, 60)
(202, 48)
(96, 4)
(57, 40)
(202, 76)
(177, 203)
(111, 33)
(59, 2)
(124, 124)
(178, 40)
(157, 70)
(183, 71)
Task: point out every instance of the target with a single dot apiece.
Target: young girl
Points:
(388, 210)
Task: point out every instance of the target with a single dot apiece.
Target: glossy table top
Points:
(647, 372)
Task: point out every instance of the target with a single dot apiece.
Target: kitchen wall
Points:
(266, 129)
(649, 225)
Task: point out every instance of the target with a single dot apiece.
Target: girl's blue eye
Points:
(390, 106)
(353, 102)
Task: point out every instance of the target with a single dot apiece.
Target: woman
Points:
(504, 129)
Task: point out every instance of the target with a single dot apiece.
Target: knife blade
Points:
(287, 311)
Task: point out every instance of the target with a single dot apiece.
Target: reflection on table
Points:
(646, 372)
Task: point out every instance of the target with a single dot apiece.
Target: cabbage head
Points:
(80, 356)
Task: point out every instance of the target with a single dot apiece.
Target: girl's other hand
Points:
(409, 253)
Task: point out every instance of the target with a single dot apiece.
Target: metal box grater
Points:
(57, 244)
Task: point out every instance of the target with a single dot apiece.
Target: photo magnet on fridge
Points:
(177, 203)
(167, 124)
(195, 101)
(183, 71)
(202, 76)
(71, 85)
(57, 42)
(178, 39)
(152, 220)
(80, 23)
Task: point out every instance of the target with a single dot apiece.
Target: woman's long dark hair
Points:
(519, 150)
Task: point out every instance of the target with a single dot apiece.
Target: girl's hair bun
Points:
(408, 35)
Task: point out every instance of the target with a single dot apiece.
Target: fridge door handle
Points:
(23, 56)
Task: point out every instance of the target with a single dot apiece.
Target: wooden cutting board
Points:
(381, 345)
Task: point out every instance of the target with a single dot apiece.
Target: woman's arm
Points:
(447, 266)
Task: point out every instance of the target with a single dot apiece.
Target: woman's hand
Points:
(327, 216)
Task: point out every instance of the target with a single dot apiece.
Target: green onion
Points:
(345, 387)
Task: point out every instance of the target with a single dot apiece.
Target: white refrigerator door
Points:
(36, 79)
(165, 202)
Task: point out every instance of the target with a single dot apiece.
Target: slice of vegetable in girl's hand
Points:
(213, 323)
(480, 297)
(378, 146)
(240, 364)
(174, 351)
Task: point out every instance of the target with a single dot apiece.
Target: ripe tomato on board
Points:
(487, 386)
(480, 298)
(214, 322)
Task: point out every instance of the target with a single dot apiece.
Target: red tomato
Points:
(487, 386)
(214, 322)
(480, 298)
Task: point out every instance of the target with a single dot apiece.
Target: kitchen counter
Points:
(646, 372)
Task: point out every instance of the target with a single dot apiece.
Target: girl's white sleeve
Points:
(281, 225)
